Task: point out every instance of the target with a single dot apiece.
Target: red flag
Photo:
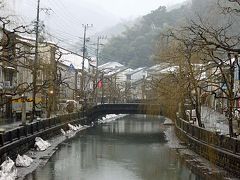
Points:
(100, 84)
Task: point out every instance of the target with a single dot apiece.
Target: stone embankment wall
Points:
(219, 149)
(21, 139)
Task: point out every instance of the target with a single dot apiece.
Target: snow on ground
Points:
(173, 141)
(8, 170)
(214, 121)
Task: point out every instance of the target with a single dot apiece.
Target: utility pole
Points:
(97, 62)
(85, 26)
(102, 99)
(35, 63)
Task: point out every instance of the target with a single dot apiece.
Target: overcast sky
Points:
(66, 17)
(129, 8)
(120, 9)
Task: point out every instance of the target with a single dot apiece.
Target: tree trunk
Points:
(231, 101)
(198, 109)
(230, 117)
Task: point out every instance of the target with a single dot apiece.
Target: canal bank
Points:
(120, 149)
(219, 149)
(40, 158)
(20, 139)
(195, 162)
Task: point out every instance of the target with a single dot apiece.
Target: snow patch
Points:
(109, 118)
(41, 145)
(8, 170)
(23, 161)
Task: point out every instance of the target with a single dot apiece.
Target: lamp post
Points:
(49, 103)
(24, 98)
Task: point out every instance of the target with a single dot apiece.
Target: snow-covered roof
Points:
(71, 59)
(158, 67)
(31, 40)
(169, 69)
(116, 70)
(133, 71)
(110, 65)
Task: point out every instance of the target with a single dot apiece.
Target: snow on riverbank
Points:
(42, 157)
(8, 170)
(110, 117)
(23, 161)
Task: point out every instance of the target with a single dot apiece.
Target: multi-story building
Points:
(70, 69)
(58, 76)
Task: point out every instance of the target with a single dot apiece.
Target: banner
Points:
(99, 84)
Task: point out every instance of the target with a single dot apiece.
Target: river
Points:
(132, 148)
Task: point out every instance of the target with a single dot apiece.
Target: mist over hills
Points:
(135, 46)
(62, 19)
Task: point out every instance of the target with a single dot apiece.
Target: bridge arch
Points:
(124, 108)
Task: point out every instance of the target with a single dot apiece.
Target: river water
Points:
(132, 148)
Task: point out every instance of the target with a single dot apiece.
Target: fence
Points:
(219, 149)
(22, 138)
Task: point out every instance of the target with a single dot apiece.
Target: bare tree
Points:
(229, 6)
(216, 46)
(179, 52)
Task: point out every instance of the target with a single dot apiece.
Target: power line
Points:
(66, 12)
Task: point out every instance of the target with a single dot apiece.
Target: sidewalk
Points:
(7, 124)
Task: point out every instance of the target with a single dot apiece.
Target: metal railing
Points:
(20, 132)
(217, 140)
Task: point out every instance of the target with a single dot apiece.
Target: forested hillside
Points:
(135, 46)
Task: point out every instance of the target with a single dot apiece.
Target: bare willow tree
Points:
(11, 58)
(17, 57)
(184, 58)
(215, 43)
(229, 6)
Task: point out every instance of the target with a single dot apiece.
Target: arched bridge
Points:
(126, 108)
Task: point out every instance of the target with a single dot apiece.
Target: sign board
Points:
(71, 67)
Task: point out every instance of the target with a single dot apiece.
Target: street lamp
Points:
(49, 103)
(23, 98)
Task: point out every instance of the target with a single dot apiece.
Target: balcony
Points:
(7, 85)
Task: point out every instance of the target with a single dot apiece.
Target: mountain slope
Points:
(135, 46)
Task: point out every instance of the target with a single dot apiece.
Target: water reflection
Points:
(132, 148)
